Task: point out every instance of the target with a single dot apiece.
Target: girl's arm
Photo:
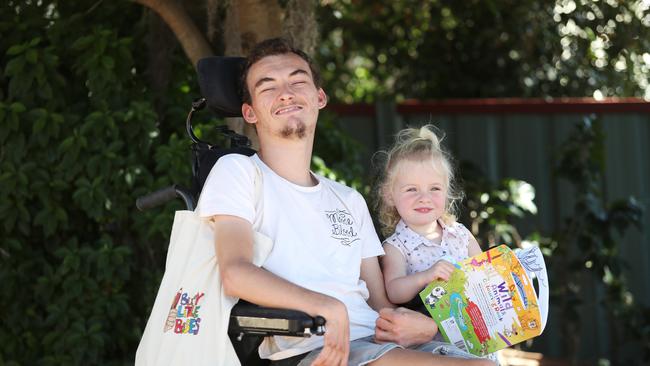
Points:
(401, 288)
(402, 326)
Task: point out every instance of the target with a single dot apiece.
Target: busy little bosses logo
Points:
(183, 315)
(342, 226)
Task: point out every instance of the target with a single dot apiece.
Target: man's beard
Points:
(298, 131)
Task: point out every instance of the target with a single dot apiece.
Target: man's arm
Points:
(400, 325)
(371, 275)
(242, 279)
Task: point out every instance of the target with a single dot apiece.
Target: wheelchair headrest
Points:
(219, 83)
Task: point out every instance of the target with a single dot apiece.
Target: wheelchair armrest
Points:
(247, 318)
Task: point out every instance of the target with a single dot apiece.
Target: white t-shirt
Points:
(320, 236)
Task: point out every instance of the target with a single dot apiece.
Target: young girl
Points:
(417, 205)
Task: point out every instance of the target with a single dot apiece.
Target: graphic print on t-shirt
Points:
(342, 226)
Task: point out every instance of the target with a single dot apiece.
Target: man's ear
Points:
(322, 98)
(248, 113)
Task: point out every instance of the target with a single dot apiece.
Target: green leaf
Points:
(15, 66)
(108, 62)
(13, 244)
(66, 144)
(41, 218)
(45, 92)
(17, 107)
(39, 125)
(31, 56)
(16, 49)
(82, 43)
(34, 42)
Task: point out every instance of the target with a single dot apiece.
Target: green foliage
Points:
(82, 135)
(492, 209)
(586, 249)
(342, 152)
(79, 141)
(590, 249)
(459, 49)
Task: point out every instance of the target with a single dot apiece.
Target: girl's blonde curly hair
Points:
(415, 144)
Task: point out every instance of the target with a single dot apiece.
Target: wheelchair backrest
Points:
(218, 79)
(219, 83)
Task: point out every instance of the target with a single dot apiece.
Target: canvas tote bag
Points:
(188, 324)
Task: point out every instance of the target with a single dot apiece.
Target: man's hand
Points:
(404, 327)
(337, 335)
(441, 270)
(243, 279)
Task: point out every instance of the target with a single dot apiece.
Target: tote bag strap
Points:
(262, 244)
(259, 197)
(340, 199)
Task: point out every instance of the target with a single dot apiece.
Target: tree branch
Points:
(174, 15)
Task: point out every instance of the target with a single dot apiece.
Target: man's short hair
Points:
(271, 47)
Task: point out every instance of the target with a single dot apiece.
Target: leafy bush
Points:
(82, 135)
(590, 250)
(79, 142)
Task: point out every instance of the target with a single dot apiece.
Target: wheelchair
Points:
(249, 323)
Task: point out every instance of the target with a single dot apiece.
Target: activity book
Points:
(490, 302)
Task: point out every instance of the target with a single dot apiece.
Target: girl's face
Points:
(419, 192)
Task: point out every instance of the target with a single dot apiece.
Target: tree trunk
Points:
(300, 24)
(191, 39)
(246, 23)
(258, 20)
(160, 46)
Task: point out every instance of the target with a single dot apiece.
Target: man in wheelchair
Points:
(324, 261)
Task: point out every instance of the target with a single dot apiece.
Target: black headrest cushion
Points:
(219, 83)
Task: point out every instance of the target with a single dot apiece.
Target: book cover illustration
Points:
(490, 302)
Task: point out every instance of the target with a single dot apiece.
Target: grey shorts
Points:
(364, 351)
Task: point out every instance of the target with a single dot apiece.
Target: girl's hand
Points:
(441, 270)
